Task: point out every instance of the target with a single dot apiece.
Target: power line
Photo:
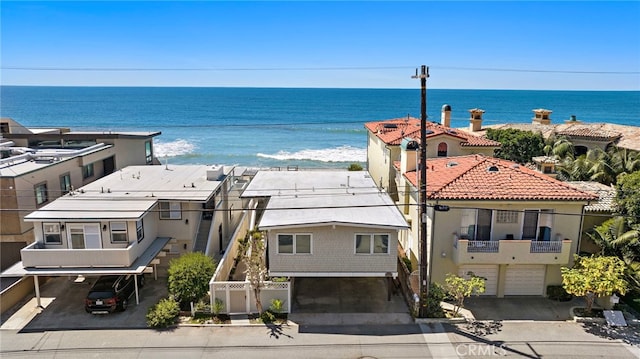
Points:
(311, 68)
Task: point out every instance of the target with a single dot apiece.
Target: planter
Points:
(578, 316)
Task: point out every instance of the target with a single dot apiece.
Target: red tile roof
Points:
(393, 131)
(476, 177)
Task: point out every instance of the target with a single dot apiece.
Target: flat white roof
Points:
(70, 208)
(304, 198)
(173, 182)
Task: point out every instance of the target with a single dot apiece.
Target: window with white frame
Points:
(372, 244)
(118, 232)
(52, 233)
(139, 230)
(170, 210)
(507, 217)
(41, 193)
(298, 243)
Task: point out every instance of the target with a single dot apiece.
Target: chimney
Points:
(409, 155)
(445, 119)
(573, 119)
(475, 122)
(542, 116)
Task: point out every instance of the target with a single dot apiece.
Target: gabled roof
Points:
(476, 177)
(325, 197)
(393, 131)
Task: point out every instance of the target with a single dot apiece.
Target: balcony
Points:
(511, 251)
(36, 257)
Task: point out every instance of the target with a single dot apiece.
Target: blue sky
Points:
(323, 44)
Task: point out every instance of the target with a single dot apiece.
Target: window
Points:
(148, 152)
(476, 224)
(507, 217)
(118, 232)
(170, 210)
(4, 127)
(372, 244)
(41, 193)
(52, 233)
(294, 243)
(537, 224)
(65, 183)
(442, 149)
(87, 171)
(139, 230)
(85, 236)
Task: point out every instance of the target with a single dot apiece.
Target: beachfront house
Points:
(39, 165)
(126, 222)
(385, 137)
(326, 223)
(492, 218)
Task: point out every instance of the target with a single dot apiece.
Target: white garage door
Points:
(488, 271)
(524, 280)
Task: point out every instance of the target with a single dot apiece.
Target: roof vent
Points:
(390, 125)
(428, 132)
(515, 165)
(452, 164)
(493, 169)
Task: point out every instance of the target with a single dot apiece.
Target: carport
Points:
(345, 295)
(140, 266)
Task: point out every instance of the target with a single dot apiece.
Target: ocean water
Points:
(270, 127)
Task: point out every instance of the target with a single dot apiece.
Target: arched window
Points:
(442, 149)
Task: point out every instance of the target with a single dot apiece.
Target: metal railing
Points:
(483, 247)
(546, 246)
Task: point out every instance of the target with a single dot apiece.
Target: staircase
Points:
(203, 235)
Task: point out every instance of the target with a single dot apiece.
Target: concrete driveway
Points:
(521, 308)
(63, 302)
(353, 301)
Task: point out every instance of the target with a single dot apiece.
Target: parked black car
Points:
(110, 293)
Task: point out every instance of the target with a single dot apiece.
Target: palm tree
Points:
(624, 160)
(616, 238)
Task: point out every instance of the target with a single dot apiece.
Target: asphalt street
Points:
(483, 339)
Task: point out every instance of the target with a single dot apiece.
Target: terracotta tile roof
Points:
(393, 131)
(476, 177)
(605, 194)
(623, 136)
(589, 132)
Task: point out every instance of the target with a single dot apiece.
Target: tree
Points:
(616, 238)
(256, 268)
(593, 277)
(189, 276)
(627, 198)
(517, 145)
(459, 288)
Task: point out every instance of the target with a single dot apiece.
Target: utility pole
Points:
(424, 280)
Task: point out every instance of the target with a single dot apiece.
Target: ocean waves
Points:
(337, 154)
(175, 148)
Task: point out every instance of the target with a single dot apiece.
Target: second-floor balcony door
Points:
(85, 236)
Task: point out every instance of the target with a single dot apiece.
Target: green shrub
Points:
(163, 314)
(408, 263)
(218, 306)
(355, 167)
(436, 295)
(557, 292)
(189, 276)
(267, 317)
(276, 305)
